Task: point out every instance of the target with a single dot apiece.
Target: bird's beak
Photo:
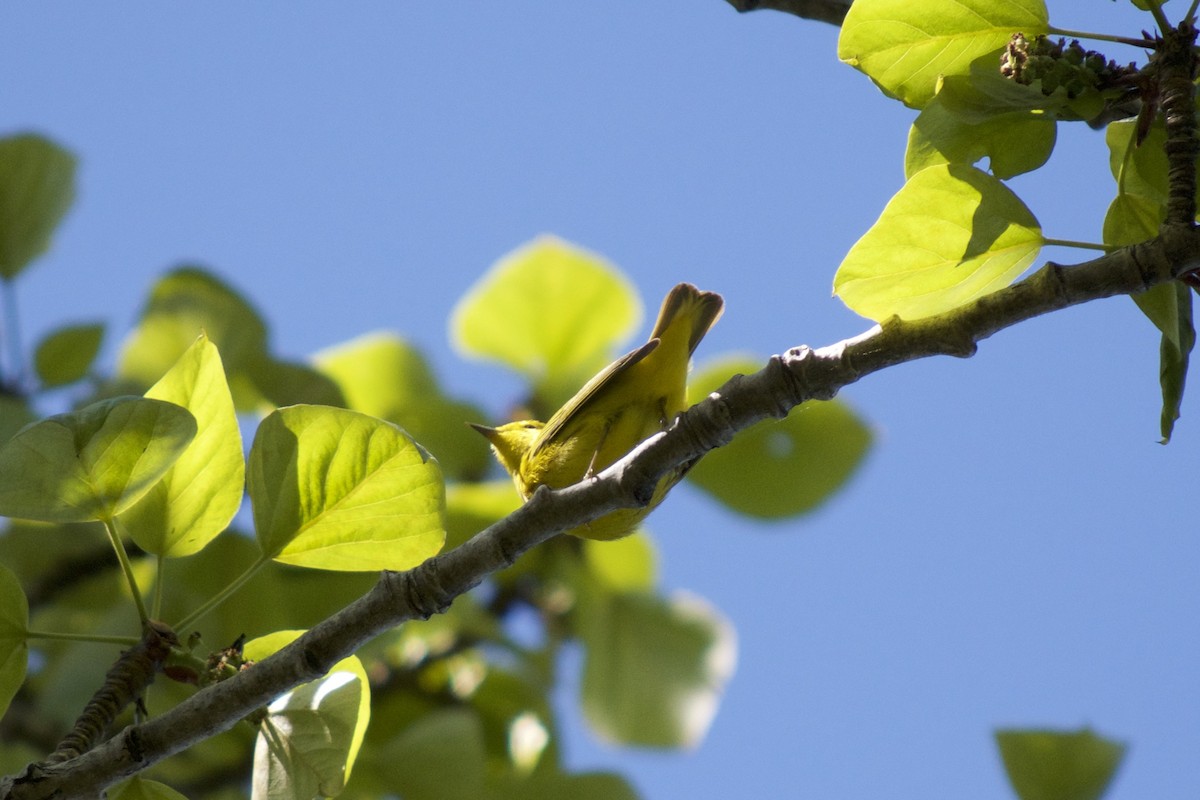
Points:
(489, 433)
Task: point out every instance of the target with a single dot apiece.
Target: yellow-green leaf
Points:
(37, 186)
(200, 494)
(308, 743)
(1059, 765)
(623, 565)
(382, 375)
(336, 489)
(183, 304)
(654, 668)
(14, 625)
(779, 468)
(1013, 143)
(93, 463)
(471, 507)
(550, 310)
(904, 47)
(952, 234)
(65, 355)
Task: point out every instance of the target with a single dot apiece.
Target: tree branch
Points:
(786, 381)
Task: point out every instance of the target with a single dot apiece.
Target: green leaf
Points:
(14, 415)
(654, 668)
(138, 788)
(336, 489)
(200, 494)
(1132, 218)
(779, 468)
(904, 47)
(65, 355)
(93, 463)
(983, 94)
(382, 375)
(37, 186)
(286, 383)
(952, 234)
(623, 565)
(1138, 169)
(310, 739)
(14, 626)
(471, 507)
(1169, 307)
(585, 786)
(440, 756)
(1055, 765)
(183, 304)
(550, 310)
(1014, 143)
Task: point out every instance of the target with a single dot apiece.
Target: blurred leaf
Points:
(952, 234)
(92, 463)
(1169, 307)
(309, 741)
(200, 494)
(904, 47)
(586, 786)
(654, 669)
(14, 625)
(284, 383)
(14, 415)
(37, 186)
(183, 304)
(1013, 143)
(551, 311)
(471, 507)
(386, 377)
(65, 355)
(439, 757)
(137, 788)
(1054, 765)
(336, 489)
(779, 468)
(623, 565)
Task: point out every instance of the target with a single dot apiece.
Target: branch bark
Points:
(786, 381)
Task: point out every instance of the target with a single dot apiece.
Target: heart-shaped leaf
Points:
(93, 463)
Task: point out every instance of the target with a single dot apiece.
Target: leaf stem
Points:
(1100, 37)
(1103, 248)
(110, 526)
(221, 596)
(82, 637)
(1190, 16)
(159, 565)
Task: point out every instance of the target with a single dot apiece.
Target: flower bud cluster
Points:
(1059, 64)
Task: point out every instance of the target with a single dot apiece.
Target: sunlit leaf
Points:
(65, 355)
(1012, 143)
(382, 375)
(654, 669)
(310, 739)
(1169, 307)
(93, 463)
(336, 489)
(1059, 765)
(904, 47)
(779, 468)
(623, 565)
(37, 186)
(952, 234)
(550, 310)
(199, 495)
(14, 623)
(183, 304)
(138, 788)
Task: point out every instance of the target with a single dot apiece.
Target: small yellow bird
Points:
(629, 401)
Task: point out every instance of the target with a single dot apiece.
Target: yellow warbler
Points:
(629, 401)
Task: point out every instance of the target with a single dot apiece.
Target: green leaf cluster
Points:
(989, 85)
(358, 462)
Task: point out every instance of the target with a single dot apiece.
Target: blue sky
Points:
(1018, 550)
